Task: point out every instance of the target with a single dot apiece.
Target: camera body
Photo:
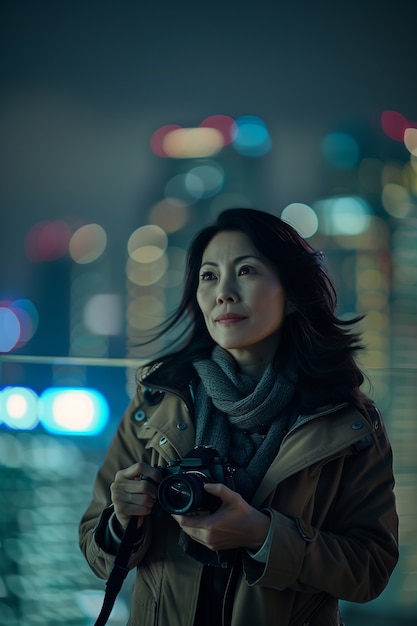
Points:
(181, 490)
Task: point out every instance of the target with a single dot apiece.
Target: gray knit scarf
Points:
(244, 419)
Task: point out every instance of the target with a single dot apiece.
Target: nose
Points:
(226, 292)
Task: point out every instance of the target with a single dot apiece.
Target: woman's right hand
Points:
(133, 494)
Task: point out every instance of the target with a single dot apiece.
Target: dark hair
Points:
(314, 341)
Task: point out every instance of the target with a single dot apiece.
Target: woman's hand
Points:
(235, 524)
(133, 494)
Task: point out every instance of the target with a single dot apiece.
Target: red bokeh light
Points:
(223, 123)
(394, 124)
(157, 139)
(47, 241)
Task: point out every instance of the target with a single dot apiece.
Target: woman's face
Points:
(242, 300)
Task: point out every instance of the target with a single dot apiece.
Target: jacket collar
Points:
(168, 376)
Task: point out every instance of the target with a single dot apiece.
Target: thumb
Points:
(221, 491)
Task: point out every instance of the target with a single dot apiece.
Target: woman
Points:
(265, 375)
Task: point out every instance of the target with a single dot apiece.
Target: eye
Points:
(246, 269)
(207, 275)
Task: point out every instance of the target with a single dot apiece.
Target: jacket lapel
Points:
(318, 438)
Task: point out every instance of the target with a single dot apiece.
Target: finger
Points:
(148, 472)
(133, 492)
(192, 521)
(137, 471)
(127, 504)
(228, 496)
(129, 473)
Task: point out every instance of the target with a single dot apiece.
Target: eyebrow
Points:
(238, 259)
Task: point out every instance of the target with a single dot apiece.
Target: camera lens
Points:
(183, 493)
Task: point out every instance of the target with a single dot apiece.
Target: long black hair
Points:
(320, 346)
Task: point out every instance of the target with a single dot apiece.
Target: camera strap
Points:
(118, 572)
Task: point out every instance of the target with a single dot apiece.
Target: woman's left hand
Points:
(236, 524)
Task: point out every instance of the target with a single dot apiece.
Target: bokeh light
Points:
(410, 140)
(248, 134)
(187, 143)
(18, 408)
(205, 181)
(341, 150)
(86, 283)
(224, 124)
(103, 314)
(343, 215)
(65, 411)
(158, 137)
(396, 200)
(170, 214)
(177, 188)
(302, 217)
(47, 240)
(251, 136)
(88, 243)
(10, 329)
(394, 124)
(147, 243)
(146, 273)
(28, 317)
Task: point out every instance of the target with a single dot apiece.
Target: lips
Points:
(229, 317)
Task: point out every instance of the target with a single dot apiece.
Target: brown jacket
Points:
(330, 494)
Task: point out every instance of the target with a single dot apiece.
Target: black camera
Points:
(181, 489)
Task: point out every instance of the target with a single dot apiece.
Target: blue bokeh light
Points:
(10, 329)
(344, 215)
(251, 136)
(73, 411)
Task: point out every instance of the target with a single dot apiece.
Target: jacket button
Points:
(139, 415)
(162, 441)
(357, 425)
(181, 426)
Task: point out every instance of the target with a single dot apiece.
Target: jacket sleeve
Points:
(125, 449)
(352, 552)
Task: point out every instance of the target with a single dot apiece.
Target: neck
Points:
(253, 363)
(251, 367)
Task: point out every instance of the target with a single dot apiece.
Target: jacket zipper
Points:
(301, 420)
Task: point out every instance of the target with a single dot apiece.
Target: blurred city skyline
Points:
(85, 86)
